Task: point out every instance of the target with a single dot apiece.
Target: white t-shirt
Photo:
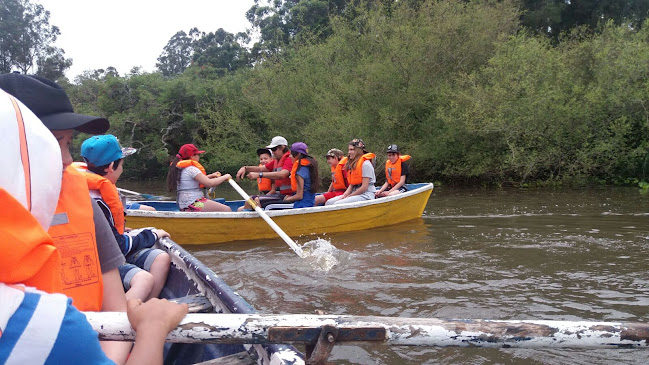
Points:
(188, 189)
(368, 171)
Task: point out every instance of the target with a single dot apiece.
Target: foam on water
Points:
(320, 254)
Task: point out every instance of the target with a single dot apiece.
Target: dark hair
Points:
(284, 149)
(173, 174)
(101, 170)
(313, 172)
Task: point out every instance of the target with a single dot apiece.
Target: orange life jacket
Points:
(283, 185)
(393, 170)
(303, 162)
(355, 175)
(263, 183)
(73, 233)
(338, 176)
(186, 163)
(109, 195)
(28, 253)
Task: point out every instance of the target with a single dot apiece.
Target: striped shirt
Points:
(41, 328)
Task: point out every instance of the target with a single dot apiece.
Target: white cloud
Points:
(123, 34)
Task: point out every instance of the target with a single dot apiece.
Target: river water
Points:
(475, 254)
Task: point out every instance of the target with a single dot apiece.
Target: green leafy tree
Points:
(177, 54)
(222, 51)
(27, 38)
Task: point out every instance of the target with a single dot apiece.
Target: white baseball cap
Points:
(277, 141)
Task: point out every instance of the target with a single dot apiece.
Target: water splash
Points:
(320, 254)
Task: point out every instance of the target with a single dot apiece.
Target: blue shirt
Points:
(308, 198)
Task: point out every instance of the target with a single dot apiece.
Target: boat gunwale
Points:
(277, 213)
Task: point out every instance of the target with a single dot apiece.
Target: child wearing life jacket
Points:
(264, 184)
(397, 168)
(188, 178)
(339, 183)
(36, 324)
(360, 175)
(278, 170)
(146, 268)
(304, 177)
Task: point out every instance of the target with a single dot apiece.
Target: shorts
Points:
(143, 258)
(330, 194)
(127, 272)
(133, 206)
(196, 206)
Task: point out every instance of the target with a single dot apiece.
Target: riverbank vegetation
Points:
(492, 92)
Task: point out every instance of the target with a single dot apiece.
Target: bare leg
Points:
(212, 206)
(141, 285)
(159, 269)
(319, 200)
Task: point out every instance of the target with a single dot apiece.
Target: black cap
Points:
(263, 150)
(393, 148)
(50, 103)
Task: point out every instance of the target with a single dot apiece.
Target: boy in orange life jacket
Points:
(79, 229)
(104, 157)
(264, 184)
(397, 168)
(339, 183)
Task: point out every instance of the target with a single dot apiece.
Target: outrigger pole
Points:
(327, 330)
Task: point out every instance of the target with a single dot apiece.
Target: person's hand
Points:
(214, 174)
(241, 173)
(161, 233)
(253, 175)
(227, 176)
(157, 314)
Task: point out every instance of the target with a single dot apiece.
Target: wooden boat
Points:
(190, 281)
(217, 227)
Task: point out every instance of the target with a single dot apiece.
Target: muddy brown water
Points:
(490, 254)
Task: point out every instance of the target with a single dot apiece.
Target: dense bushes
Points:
(459, 85)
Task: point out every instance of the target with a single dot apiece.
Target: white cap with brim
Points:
(32, 167)
(277, 141)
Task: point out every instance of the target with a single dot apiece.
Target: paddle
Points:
(265, 216)
(399, 331)
(145, 196)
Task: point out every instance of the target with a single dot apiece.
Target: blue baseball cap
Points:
(104, 149)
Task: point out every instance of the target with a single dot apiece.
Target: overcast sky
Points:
(123, 34)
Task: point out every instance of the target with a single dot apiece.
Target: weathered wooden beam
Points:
(305, 329)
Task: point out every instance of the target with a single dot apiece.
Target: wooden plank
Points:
(255, 329)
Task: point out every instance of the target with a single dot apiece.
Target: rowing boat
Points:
(190, 281)
(219, 227)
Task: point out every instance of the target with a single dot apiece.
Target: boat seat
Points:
(278, 206)
(198, 303)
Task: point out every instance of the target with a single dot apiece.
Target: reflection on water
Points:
(495, 254)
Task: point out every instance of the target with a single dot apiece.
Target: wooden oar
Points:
(265, 216)
(298, 328)
(145, 196)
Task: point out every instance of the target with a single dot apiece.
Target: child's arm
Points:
(152, 321)
(383, 187)
(299, 192)
(402, 182)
